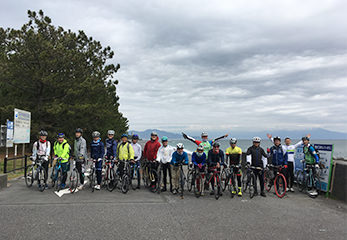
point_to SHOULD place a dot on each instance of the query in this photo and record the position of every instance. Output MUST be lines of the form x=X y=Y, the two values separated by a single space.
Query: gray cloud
x=192 y=65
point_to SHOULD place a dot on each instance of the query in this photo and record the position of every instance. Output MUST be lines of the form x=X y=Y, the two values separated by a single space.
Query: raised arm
x=218 y=138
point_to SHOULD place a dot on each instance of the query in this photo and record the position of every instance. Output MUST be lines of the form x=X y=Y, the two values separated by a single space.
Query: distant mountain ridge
x=317 y=133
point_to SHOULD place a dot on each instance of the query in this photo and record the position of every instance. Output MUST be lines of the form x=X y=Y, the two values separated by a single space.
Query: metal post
x=5 y=165
x=25 y=165
x=23 y=154
x=15 y=155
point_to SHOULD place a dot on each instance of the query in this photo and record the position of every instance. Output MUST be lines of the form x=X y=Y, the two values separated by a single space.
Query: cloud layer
x=215 y=65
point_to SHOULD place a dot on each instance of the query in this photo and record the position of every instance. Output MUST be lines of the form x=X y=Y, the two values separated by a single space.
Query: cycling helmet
x=135 y=137
x=95 y=134
x=216 y=144
x=200 y=148
x=204 y=134
x=305 y=138
x=233 y=141
x=79 y=130
x=110 y=132
x=164 y=139
x=43 y=133
x=124 y=135
x=277 y=138
x=180 y=146
x=61 y=135
x=154 y=134
x=257 y=139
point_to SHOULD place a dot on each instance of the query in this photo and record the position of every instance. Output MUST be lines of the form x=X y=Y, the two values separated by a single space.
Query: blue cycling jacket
x=198 y=160
x=176 y=158
x=278 y=156
x=97 y=149
x=111 y=148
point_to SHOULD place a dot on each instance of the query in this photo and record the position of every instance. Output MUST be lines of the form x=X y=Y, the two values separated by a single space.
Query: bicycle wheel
x=92 y=180
x=182 y=182
x=29 y=176
x=125 y=183
x=251 y=185
x=145 y=176
x=73 y=180
x=268 y=179
x=217 y=187
x=301 y=180
x=280 y=185
x=198 y=184
x=134 y=178
x=41 y=180
x=59 y=179
x=223 y=180
x=317 y=186
x=231 y=185
x=244 y=182
x=190 y=180
x=110 y=182
x=158 y=184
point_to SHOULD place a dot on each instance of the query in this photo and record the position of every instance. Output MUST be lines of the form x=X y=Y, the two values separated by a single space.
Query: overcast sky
x=215 y=65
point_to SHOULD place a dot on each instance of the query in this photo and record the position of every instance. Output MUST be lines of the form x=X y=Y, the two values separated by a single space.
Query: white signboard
x=326 y=154
x=21 y=126
x=9 y=135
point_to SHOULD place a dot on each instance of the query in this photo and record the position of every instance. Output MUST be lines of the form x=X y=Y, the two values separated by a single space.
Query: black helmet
x=135 y=137
x=277 y=138
x=79 y=130
x=216 y=144
x=305 y=138
x=43 y=133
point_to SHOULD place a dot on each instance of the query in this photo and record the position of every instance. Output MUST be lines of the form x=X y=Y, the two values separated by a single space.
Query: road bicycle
x=308 y=180
x=249 y=180
x=35 y=171
x=57 y=175
x=110 y=179
x=213 y=178
x=273 y=176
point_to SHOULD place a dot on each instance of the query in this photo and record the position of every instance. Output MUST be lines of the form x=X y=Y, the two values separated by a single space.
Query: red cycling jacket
x=151 y=149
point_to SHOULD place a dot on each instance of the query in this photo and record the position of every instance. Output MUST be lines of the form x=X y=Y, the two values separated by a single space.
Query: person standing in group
x=257 y=157
x=138 y=154
x=80 y=154
x=205 y=143
x=164 y=156
x=42 y=148
x=97 y=152
x=215 y=159
x=289 y=148
x=61 y=150
x=150 y=153
x=311 y=158
x=125 y=153
x=111 y=146
x=234 y=154
x=199 y=161
x=178 y=157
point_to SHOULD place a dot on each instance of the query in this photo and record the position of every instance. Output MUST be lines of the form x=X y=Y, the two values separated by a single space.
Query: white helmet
x=95 y=134
x=257 y=139
x=180 y=146
x=110 y=132
x=204 y=134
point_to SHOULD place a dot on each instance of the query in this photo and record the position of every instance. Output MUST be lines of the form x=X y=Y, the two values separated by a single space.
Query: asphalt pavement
x=26 y=213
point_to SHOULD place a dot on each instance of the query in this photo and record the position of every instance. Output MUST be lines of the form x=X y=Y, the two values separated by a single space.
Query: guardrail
x=15 y=168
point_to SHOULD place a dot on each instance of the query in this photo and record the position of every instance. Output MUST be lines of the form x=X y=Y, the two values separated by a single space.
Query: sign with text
x=326 y=154
x=9 y=135
x=22 y=121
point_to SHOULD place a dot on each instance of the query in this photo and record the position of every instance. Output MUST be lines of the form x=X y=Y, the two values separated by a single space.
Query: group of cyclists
x=167 y=160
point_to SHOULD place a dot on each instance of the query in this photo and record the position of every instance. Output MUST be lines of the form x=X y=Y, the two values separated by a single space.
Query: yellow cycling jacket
x=125 y=152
